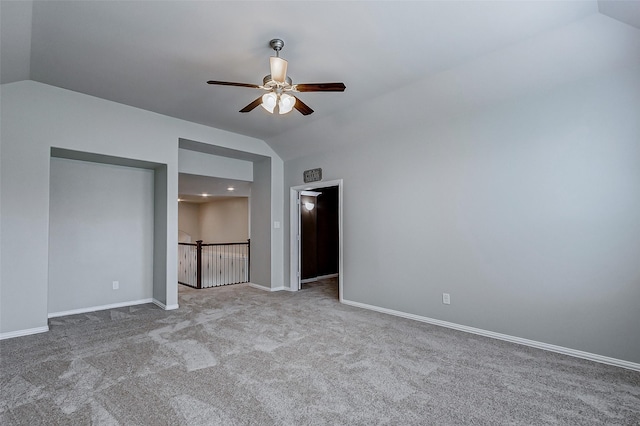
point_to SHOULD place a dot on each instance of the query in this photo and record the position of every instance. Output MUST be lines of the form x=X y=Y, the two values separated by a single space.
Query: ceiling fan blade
x=252 y=105
x=302 y=107
x=228 y=83
x=320 y=87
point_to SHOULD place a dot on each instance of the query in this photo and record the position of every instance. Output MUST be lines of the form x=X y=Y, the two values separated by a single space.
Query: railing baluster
x=220 y=264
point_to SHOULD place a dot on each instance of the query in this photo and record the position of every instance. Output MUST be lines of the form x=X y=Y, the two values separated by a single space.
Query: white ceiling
x=192 y=187
x=158 y=55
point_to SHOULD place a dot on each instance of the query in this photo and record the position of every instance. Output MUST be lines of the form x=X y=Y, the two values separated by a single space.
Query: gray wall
x=36 y=117
x=199 y=163
x=163 y=233
x=100 y=230
x=261 y=225
x=527 y=213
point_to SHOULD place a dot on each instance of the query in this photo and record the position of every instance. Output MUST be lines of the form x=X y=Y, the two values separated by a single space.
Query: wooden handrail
x=214 y=244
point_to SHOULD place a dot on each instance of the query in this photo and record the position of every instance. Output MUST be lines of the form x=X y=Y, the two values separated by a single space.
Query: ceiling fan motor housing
x=267 y=81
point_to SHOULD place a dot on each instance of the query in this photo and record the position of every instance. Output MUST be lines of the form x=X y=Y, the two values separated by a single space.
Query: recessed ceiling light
x=205 y=194
x=231 y=188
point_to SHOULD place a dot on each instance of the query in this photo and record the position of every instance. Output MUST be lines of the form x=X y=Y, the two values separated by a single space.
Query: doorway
x=318 y=234
x=304 y=203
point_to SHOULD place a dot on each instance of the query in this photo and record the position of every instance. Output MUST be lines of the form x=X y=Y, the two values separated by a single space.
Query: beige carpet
x=238 y=356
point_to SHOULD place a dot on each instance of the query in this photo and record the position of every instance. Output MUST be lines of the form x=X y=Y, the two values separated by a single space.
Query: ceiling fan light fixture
x=269 y=101
x=278 y=69
x=286 y=103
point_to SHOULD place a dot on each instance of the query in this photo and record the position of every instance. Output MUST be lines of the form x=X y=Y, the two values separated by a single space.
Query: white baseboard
x=261 y=287
x=20 y=333
x=324 y=277
x=163 y=306
x=99 y=308
x=318 y=278
x=526 y=342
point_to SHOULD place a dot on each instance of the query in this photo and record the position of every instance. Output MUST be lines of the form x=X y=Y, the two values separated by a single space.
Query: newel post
x=199 y=264
x=249 y=260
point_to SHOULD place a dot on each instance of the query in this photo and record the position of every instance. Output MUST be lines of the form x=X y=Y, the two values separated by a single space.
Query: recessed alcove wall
x=102 y=228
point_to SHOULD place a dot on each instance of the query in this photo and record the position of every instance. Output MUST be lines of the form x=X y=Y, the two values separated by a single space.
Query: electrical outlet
x=116 y=285
x=446 y=298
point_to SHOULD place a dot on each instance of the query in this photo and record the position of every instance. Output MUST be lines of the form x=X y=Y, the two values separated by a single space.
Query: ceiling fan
x=279 y=87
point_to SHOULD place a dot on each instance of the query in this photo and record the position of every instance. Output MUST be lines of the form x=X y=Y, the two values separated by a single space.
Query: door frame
x=294 y=232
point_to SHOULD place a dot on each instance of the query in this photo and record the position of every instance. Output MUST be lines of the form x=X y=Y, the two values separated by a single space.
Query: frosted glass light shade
x=269 y=101
x=286 y=103
x=278 y=69
x=309 y=206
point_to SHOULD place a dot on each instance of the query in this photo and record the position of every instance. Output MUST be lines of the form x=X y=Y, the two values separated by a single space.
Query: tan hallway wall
x=218 y=221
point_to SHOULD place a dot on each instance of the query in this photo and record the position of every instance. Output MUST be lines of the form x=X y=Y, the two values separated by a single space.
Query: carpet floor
x=236 y=355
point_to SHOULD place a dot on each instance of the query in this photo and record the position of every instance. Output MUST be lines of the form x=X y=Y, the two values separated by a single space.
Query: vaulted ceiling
x=158 y=55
